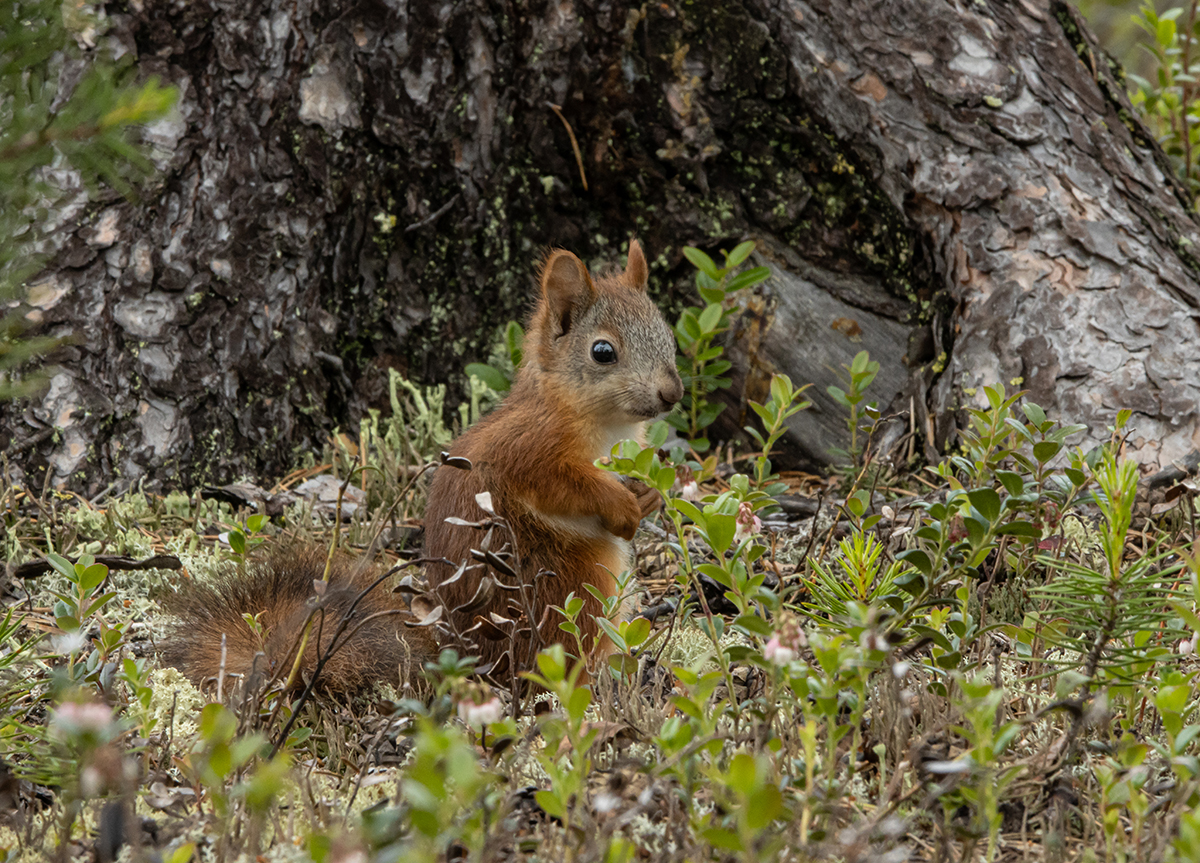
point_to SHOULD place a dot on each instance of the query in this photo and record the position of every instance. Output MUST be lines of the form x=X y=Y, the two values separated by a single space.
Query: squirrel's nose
x=672 y=392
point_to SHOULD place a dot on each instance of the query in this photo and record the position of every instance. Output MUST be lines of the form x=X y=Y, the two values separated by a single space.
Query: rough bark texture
x=349 y=187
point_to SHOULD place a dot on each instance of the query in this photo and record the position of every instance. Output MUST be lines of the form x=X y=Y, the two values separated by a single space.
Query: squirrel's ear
x=636 y=271
x=566 y=289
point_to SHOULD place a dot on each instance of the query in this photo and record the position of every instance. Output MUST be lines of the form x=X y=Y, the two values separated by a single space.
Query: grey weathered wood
x=349 y=187
x=1051 y=220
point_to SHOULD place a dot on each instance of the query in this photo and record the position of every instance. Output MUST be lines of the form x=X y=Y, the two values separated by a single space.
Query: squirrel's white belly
x=613 y=435
x=588 y=527
x=581 y=526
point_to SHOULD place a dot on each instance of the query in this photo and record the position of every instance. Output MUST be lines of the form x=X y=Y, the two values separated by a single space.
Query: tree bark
x=963 y=189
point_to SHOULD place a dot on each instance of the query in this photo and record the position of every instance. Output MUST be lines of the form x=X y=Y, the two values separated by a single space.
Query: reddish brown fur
x=523 y=455
x=279 y=590
x=535 y=454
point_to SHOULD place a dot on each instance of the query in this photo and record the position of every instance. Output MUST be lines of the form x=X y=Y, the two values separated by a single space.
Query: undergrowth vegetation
x=991 y=658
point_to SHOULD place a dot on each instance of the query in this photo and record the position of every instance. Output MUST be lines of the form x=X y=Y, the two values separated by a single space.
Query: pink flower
x=685 y=478
x=748 y=524
x=784 y=646
x=73 y=719
x=476 y=715
x=777 y=653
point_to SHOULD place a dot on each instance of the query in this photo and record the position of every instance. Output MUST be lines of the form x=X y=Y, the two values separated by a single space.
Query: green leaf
x=975 y=530
x=721 y=529
x=742 y=772
x=184 y=853
x=623 y=663
x=688 y=325
x=933 y=635
x=614 y=636
x=217 y=723
x=220 y=761
x=1020 y=428
x=949 y=660
x=255 y=523
x=766 y=413
x=912 y=583
x=690 y=510
x=686 y=705
x=243 y=750
x=514 y=338
x=754 y=625
x=637 y=631
x=552 y=662
x=62 y=565
x=748 y=278
x=716 y=573
x=987 y=502
x=1045 y=450
x=763 y=807
x=855 y=505
x=1164 y=34
x=918 y=559
x=643 y=461
x=91 y=577
x=740 y=252
x=237 y=541
x=719 y=837
x=550 y=804
x=298 y=735
x=1034 y=413
x=490 y=375
x=702 y=262
x=1012 y=482
x=995 y=396
x=657 y=435
x=710 y=318
x=579 y=702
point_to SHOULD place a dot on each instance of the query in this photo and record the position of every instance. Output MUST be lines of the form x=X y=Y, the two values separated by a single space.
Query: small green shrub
x=701 y=362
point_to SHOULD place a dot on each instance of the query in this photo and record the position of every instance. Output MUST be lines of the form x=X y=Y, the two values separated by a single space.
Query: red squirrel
x=599 y=361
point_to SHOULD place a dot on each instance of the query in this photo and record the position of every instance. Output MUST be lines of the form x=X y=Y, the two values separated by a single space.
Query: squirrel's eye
x=604 y=353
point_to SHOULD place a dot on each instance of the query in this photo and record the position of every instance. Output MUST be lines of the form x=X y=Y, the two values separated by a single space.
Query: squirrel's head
x=602 y=341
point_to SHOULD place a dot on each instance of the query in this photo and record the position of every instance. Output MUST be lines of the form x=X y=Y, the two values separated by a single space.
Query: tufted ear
x=567 y=290
x=636 y=271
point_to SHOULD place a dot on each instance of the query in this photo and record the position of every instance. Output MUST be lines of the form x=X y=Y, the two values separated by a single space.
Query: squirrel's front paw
x=623 y=521
x=648 y=499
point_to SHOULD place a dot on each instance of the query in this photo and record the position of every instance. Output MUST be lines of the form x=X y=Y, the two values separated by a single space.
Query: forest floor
x=994 y=659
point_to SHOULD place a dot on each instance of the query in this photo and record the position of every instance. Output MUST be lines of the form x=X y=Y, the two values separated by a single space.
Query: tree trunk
x=963 y=189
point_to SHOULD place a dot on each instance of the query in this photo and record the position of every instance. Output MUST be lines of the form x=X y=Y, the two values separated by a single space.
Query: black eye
x=604 y=353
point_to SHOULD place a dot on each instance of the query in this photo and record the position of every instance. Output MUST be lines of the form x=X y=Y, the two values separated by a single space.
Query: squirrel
x=599 y=361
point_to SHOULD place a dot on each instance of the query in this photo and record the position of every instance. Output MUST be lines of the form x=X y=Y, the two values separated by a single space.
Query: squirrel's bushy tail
x=278 y=590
